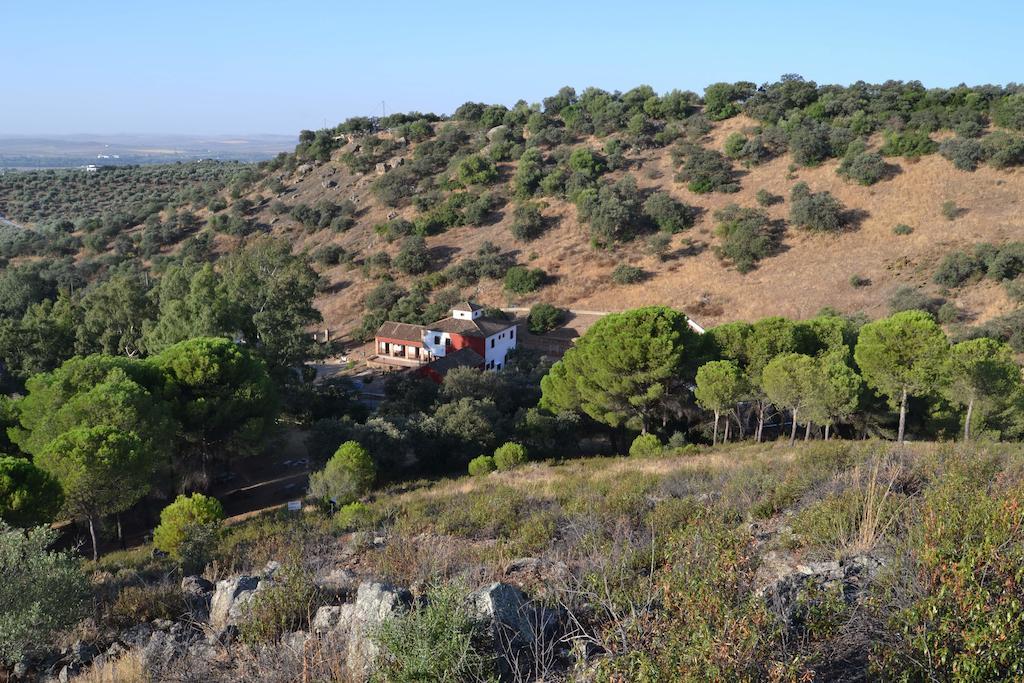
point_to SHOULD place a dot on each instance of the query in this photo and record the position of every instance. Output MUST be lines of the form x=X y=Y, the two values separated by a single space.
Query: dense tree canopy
x=624 y=370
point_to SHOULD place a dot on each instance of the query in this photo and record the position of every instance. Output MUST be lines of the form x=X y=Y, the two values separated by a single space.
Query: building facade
x=467 y=328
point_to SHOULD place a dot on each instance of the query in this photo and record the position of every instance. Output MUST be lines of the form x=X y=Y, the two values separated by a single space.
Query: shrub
x=734 y=145
x=658 y=244
x=527 y=221
x=625 y=274
x=437 y=640
x=509 y=455
x=818 y=211
x=766 y=198
x=185 y=517
x=481 y=465
x=1003 y=149
x=950 y=210
x=414 y=257
x=705 y=170
x=329 y=255
x=910 y=299
x=614 y=211
x=476 y=170
x=859 y=281
x=810 y=143
x=912 y=144
x=965 y=153
x=1008 y=262
x=746 y=236
x=347 y=476
x=1009 y=112
x=902 y=229
x=42 y=591
x=669 y=214
x=645 y=445
x=283 y=607
x=354 y=516
x=146 y=603
x=586 y=163
x=862 y=166
x=957 y=268
x=947 y=313
x=522 y=280
x=28 y=494
x=544 y=318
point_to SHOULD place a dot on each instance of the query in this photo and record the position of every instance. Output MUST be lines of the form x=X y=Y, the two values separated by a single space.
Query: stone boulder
x=230 y=599
x=785 y=585
x=353 y=622
x=339 y=582
x=518 y=627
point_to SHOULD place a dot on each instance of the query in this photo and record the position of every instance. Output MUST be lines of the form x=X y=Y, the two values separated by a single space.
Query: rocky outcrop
x=230 y=599
x=519 y=629
x=354 y=622
x=789 y=587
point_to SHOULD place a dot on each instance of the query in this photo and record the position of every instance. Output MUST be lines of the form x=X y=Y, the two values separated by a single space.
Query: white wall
x=437 y=349
x=503 y=343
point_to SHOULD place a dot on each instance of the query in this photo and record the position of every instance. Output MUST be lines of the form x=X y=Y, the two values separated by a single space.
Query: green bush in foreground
x=481 y=465
x=42 y=591
x=509 y=455
x=435 y=641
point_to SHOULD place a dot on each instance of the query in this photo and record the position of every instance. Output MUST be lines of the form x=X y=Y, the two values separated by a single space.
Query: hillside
x=346 y=192
x=832 y=562
x=812 y=271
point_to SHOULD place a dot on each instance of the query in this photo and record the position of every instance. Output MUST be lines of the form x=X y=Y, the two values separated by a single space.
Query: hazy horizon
x=194 y=67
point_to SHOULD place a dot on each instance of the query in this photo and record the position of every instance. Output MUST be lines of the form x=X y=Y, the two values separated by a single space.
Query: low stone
x=162 y=624
x=229 y=599
x=136 y=636
x=326 y=619
x=337 y=582
x=196 y=587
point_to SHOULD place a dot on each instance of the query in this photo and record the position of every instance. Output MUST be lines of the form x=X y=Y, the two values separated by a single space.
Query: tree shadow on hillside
x=853 y=219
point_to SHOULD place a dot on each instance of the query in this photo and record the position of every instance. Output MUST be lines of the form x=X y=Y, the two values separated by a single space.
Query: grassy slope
x=812 y=271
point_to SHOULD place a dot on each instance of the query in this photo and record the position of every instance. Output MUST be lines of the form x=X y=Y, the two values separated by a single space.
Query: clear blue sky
x=232 y=66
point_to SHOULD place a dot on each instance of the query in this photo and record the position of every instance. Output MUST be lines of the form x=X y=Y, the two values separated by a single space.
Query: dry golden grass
x=813 y=271
x=127 y=669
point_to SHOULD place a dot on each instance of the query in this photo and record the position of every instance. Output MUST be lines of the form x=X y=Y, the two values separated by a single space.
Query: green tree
x=414 y=257
x=102 y=470
x=668 y=213
x=273 y=291
x=720 y=386
x=902 y=356
x=192 y=302
x=544 y=318
x=222 y=397
x=184 y=518
x=114 y=313
x=509 y=456
x=476 y=170
x=626 y=370
x=42 y=339
x=42 y=591
x=346 y=477
x=787 y=382
x=834 y=392
x=96 y=390
x=980 y=370
x=28 y=495
x=722 y=100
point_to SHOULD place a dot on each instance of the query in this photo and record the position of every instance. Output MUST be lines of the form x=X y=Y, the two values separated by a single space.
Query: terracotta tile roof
x=481 y=327
x=466 y=306
x=463 y=358
x=401 y=331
